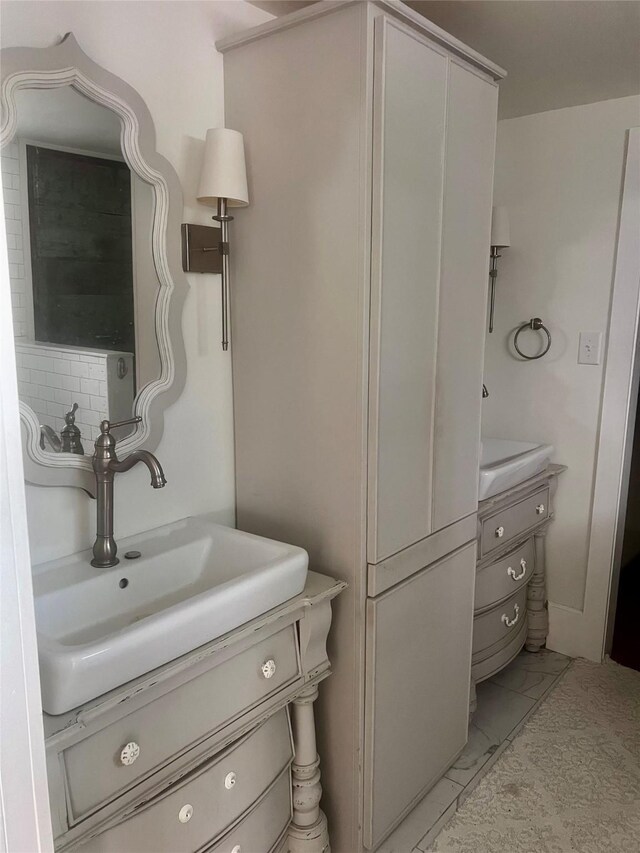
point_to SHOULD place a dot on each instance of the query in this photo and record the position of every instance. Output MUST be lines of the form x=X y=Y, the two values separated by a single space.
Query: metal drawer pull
x=269 y=668
x=186 y=813
x=230 y=780
x=129 y=753
x=500 y=532
x=516 y=615
x=540 y=509
x=512 y=572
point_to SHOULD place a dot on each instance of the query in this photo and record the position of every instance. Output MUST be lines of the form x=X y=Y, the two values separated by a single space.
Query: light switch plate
x=590 y=348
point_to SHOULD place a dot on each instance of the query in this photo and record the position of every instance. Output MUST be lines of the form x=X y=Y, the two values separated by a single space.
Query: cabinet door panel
x=470 y=143
x=418 y=666
x=409 y=115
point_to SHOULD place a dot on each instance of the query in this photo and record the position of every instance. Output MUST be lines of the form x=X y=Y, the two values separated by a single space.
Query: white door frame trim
x=25 y=822
x=584 y=633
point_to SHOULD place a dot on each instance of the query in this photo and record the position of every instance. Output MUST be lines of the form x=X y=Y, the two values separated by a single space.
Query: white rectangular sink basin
x=505 y=463
x=195 y=580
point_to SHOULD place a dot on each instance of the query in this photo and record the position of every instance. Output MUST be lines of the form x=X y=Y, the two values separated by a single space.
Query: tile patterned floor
x=505 y=702
x=569 y=782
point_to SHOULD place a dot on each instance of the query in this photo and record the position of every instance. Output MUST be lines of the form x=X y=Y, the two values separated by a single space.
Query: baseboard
x=569 y=633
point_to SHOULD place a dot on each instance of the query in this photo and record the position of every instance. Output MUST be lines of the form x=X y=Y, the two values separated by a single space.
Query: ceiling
x=558 y=53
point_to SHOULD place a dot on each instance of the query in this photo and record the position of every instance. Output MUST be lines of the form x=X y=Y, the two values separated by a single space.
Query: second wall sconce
x=223 y=184
x=500 y=239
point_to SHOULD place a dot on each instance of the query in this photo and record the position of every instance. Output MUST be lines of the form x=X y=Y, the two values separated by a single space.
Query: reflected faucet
x=69 y=440
x=48 y=434
x=106 y=465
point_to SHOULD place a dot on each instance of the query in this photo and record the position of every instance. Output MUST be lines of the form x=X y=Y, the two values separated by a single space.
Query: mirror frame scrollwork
x=66 y=64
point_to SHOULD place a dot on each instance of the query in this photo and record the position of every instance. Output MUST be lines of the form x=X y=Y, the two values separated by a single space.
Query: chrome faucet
x=106 y=465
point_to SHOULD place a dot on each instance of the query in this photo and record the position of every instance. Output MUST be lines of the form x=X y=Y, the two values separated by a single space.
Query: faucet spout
x=158 y=479
x=51 y=436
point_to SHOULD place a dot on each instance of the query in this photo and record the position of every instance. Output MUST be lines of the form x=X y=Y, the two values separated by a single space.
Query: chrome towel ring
x=535 y=323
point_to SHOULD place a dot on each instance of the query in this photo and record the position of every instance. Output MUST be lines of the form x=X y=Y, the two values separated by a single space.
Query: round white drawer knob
x=269 y=668
x=230 y=780
x=500 y=532
x=186 y=813
x=236 y=849
x=540 y=509
x=129 y=753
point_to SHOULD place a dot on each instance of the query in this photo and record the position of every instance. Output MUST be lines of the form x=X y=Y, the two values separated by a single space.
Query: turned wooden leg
x=537 y=612
x=473 y=698
x=308 y=832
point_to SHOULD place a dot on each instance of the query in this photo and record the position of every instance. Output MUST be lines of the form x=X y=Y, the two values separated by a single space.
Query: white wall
x=21 y=299
x=560 y=174
x=166 y=51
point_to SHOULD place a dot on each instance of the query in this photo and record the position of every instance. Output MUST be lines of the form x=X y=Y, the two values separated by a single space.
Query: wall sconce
x=500 y=239
x=223 y=184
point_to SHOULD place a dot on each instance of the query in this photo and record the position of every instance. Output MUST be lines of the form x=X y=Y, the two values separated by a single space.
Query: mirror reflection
x=83 y=282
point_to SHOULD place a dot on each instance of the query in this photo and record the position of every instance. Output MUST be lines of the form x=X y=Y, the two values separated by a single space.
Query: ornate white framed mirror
x=93 y=225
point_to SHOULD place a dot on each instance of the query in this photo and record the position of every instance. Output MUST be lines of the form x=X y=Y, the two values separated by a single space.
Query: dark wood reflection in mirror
x=81 y=249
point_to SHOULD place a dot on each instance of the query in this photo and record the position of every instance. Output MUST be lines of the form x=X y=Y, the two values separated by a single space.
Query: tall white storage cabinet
x=358 y=316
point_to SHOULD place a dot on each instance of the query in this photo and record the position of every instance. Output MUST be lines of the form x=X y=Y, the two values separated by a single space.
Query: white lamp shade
x=224 y=174
x=500 y=236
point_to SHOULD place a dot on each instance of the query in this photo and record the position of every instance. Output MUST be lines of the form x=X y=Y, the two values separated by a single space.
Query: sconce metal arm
x=223 y=247
x=493 y=274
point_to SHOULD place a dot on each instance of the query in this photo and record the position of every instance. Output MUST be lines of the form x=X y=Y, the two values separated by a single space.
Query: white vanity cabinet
x=360 y=273
x=199 y=754
x=510 y=608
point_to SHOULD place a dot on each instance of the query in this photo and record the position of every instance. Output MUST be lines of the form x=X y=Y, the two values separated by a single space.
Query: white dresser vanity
x=510 y=600
x=213 y=751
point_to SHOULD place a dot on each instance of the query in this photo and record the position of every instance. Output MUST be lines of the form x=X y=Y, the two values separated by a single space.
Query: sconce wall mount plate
x=201 y=248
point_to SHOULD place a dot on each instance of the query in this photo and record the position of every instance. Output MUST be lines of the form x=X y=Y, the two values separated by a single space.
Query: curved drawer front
x=501 y=579
x=499 y=624
x=101 y=766
x=503 y=655
x=499 y=528
x=261 y=830
x=204 y=806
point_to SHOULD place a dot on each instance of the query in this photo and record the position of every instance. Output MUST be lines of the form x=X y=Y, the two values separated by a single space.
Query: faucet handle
x=106 y=426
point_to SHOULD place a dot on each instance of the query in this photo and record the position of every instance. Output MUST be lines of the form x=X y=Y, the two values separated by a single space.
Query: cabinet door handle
x=500 y=532
x=540 y=509
x=129 y=753
x=512 y=572
x=516 y=615
x=230 y=780
x=269 y=668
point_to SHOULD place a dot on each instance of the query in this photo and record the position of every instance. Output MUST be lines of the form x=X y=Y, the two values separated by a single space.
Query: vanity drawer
x=262 y=829
x=211 y=799
x=499 y=623
x=501 y=579
x=163 y=729
x=511 y=522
